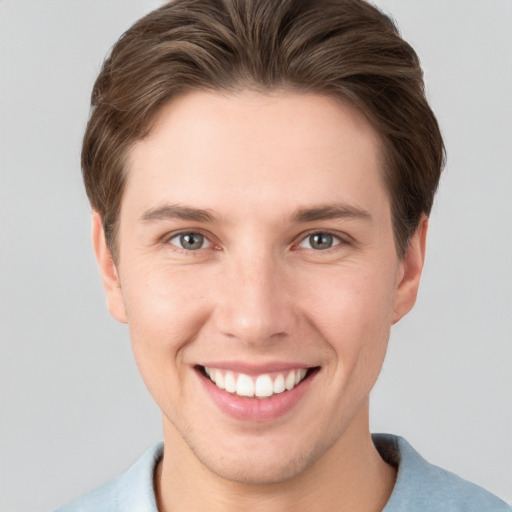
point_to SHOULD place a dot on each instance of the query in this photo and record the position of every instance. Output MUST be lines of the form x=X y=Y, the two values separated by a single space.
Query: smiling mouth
x=260 y=386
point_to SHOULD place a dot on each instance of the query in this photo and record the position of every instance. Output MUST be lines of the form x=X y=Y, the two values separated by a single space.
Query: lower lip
x=255 y=409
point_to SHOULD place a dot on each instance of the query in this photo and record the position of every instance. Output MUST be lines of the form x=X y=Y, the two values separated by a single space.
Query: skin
x=257 y=292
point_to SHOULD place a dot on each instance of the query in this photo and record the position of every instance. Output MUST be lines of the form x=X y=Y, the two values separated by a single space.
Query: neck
x=351 y=475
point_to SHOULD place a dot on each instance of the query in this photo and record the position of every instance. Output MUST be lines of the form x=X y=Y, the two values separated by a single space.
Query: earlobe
x=108 y=270
x=411 y=268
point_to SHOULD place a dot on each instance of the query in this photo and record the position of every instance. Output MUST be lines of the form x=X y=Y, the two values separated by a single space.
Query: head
x=261 y=174
x=344 y=49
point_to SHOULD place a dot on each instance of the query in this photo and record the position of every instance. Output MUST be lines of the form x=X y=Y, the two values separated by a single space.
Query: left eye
x=320 y=241
x=190 y=241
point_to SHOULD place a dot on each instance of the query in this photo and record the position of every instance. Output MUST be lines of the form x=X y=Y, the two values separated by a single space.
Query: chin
x=255 y=471
x=254 y=465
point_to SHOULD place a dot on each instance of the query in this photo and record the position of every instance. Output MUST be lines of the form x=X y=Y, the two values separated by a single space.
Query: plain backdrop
x=74 y=411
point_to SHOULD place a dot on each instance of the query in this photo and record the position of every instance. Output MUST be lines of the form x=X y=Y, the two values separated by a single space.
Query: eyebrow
x=302 y=215
x=329 y=212
x=176 y=211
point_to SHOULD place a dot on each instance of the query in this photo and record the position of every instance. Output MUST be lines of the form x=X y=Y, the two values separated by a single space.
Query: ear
x=410 y=271
x=108 y=270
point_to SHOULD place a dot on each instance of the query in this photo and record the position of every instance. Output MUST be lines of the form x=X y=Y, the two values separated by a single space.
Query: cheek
x=164 y=313
x=353 y=313
x=351 y=301
x=163 y=303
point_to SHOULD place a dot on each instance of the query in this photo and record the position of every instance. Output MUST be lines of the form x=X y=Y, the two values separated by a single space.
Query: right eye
x=320 y=241
x=190 y=241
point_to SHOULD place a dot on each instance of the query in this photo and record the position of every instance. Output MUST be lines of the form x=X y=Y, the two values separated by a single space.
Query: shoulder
x=132 y=491
x=424 y=487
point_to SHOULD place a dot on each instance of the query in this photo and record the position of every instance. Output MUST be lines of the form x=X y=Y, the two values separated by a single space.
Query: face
x=259 y=277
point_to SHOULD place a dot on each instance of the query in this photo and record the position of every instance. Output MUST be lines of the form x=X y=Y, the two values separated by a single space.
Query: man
x=261 y=175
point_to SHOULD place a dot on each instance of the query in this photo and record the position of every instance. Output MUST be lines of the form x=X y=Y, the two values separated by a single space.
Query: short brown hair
x=342 y=48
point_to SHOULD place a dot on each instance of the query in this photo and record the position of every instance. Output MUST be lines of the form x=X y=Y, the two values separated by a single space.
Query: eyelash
x=176 y=247
x=339 y=240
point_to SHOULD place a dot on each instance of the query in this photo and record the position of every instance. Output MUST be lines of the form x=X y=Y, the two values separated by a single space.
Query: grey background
x=73 y=410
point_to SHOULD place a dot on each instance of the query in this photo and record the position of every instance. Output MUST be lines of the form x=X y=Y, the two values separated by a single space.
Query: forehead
x=279 y=147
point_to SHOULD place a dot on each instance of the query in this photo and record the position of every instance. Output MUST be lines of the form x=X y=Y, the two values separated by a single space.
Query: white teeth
x=289 y=383
x=279 y=384
x=244 y=385
x=264 y=386
x=261 y=386
x=229 y=382
x=219 y=379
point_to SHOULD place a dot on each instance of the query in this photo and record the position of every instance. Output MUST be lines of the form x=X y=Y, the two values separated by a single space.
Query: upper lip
x=251 y=368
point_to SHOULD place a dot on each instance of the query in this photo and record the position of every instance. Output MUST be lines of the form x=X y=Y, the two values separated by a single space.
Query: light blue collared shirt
x=420 y=486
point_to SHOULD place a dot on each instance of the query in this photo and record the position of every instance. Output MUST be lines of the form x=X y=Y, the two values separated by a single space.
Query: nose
x=254 y=302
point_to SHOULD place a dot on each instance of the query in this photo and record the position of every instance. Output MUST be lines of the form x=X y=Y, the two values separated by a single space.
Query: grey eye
x=190 y=241
x=319 y=241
